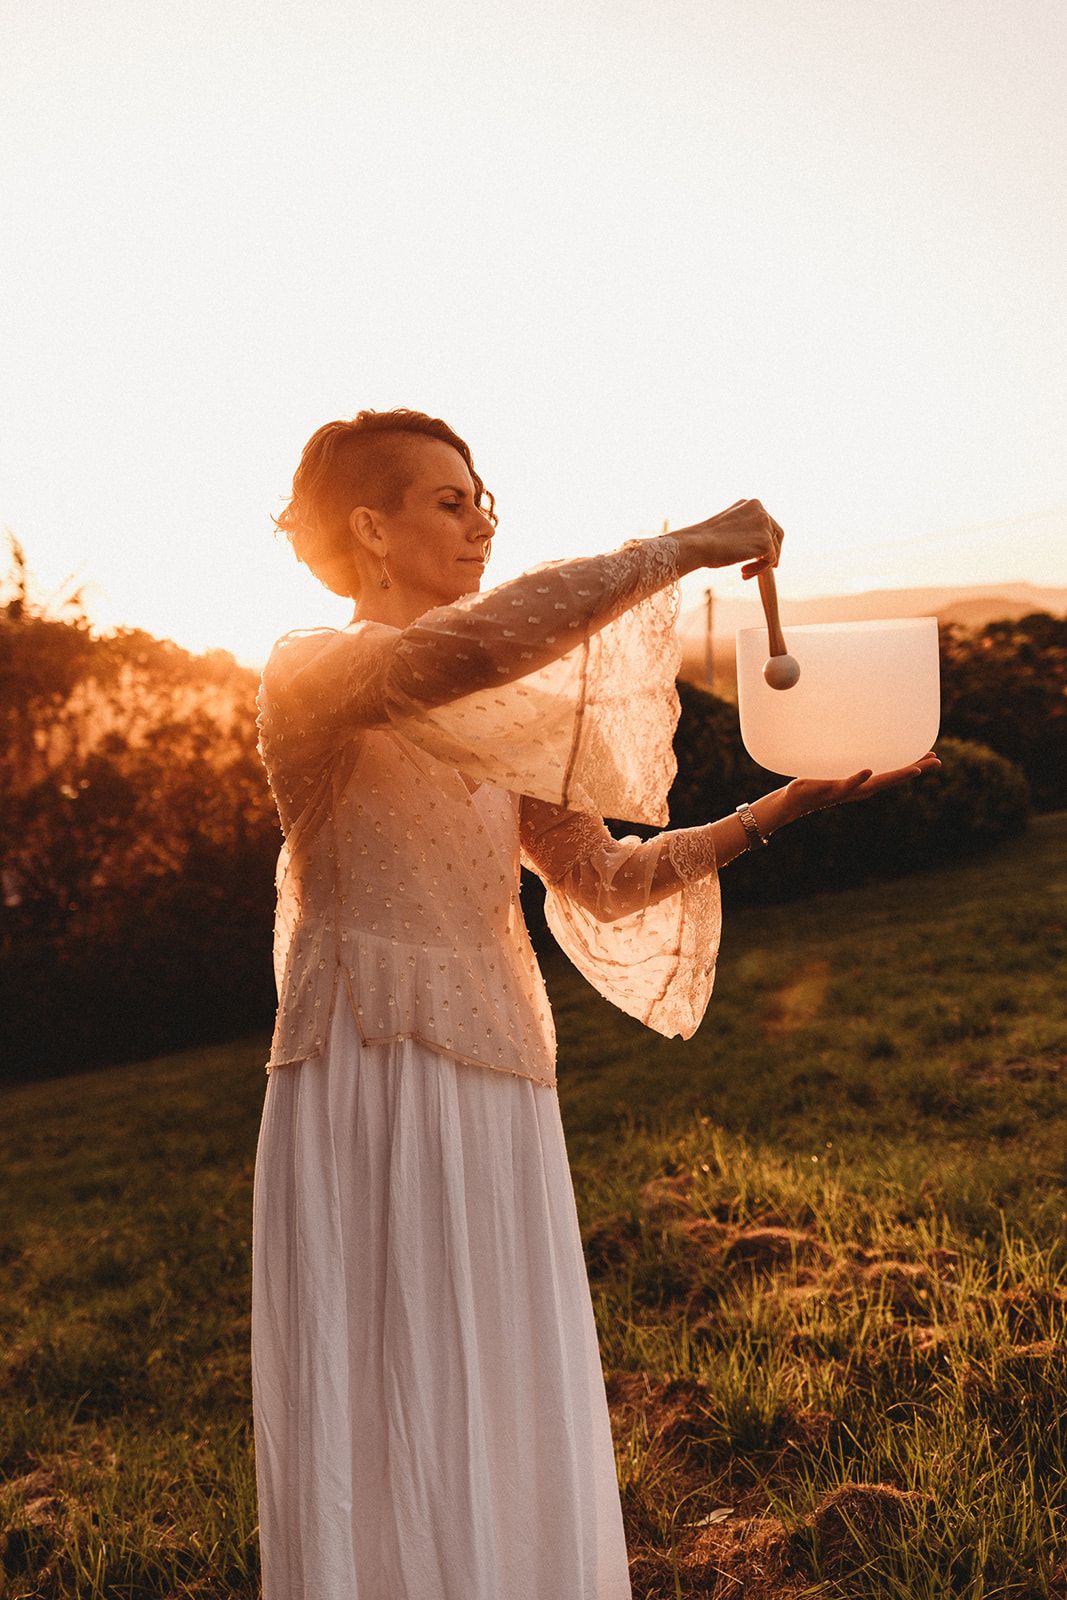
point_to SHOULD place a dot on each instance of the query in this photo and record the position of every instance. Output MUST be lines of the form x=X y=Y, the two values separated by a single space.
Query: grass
x=826 y=1244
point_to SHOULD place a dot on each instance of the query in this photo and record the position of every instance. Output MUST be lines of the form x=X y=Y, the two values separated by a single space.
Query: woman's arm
x=613 y=878
x=559 y=684
x=492 y=638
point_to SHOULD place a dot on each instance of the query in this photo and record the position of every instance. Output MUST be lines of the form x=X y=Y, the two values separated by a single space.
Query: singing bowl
x=869 y=695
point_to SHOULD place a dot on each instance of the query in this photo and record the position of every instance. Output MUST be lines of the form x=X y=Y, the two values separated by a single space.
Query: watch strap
x=751 y=826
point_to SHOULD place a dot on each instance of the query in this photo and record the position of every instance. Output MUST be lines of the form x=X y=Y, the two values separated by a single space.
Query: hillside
x=824 y=1237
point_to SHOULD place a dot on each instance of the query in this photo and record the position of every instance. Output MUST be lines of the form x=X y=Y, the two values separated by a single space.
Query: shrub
x=1003 y=686
x=976 y=800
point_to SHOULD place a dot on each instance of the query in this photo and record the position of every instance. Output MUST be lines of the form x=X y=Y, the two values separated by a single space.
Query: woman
x=429 y=1405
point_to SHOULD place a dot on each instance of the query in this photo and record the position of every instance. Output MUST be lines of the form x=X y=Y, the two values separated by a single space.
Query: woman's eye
x=450 y=505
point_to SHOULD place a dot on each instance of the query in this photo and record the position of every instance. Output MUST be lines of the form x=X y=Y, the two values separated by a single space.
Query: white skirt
x=428 y=1398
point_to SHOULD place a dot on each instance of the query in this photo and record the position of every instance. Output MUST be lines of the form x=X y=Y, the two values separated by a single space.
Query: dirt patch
x=768 y=1250
x=702 y=1233
x=36 y=1495
x=850 y=1518
x=733 y=1545
x=944 y=1262
x=1019 y=1069
x=801 y=1218
x=33 y=1524
x=926 y=1340
x=756 y=1558
x=611 y=1241
x=667 y=1194
x=686 y=1426
x=1018 y=1369
x=748 y=1558
x=905 y=1285
x=677 y=1413
x=1038 y=1350
x=1029 y=1309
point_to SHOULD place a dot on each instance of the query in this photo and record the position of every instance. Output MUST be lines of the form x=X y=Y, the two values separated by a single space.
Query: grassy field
x=826 y=1239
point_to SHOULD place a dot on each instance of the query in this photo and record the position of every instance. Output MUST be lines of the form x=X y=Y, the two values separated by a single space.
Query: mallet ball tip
x=781 y=672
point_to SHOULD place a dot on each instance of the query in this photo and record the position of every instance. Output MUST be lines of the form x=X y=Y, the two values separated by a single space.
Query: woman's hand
x=804 y=795
x=743 y=532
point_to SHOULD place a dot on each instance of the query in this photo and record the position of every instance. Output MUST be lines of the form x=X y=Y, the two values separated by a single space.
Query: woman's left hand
x=804 y=795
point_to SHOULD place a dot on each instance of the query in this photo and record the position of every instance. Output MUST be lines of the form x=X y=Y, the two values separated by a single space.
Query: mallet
x=781 y=670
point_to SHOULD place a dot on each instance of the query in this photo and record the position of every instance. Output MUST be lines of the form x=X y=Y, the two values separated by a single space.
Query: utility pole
x=709 y=663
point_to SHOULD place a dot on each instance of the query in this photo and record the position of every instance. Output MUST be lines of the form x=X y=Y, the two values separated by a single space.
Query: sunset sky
x=646 y=260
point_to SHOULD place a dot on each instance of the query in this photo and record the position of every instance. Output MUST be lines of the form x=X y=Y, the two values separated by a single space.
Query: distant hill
x=970 y=607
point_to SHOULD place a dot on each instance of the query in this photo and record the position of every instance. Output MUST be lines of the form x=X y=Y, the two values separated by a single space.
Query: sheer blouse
x=415 y=769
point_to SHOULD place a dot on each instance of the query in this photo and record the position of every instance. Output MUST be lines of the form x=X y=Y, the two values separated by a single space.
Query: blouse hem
x=419 y=1038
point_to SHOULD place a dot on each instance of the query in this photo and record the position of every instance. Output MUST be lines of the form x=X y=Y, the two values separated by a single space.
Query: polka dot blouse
x=415 y=769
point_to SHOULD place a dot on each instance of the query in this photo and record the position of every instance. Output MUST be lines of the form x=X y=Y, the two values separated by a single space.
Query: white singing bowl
x=869 y=695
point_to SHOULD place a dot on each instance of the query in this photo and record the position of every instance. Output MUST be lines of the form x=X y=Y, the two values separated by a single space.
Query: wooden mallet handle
x=769 y=595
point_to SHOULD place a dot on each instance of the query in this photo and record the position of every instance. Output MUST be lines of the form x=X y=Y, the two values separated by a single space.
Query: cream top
x=414 y=769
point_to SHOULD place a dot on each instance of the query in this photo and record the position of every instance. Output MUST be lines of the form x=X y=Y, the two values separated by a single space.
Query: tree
x=1005 y=686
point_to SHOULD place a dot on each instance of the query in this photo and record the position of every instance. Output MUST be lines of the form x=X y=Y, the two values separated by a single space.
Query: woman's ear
x=364 y=528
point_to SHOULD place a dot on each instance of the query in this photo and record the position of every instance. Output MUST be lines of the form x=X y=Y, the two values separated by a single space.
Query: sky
x=645 y=260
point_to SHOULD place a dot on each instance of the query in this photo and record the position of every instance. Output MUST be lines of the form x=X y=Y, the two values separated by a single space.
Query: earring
x=384 y=582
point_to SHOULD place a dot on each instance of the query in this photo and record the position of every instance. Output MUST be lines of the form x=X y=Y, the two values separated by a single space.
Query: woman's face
x=435 y=547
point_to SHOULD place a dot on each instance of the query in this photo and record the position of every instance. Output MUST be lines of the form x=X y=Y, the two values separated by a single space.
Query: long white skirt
x=428 y=1398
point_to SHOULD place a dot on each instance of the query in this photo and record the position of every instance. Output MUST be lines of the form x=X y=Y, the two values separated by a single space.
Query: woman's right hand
x=743 y=532
x=805 y=795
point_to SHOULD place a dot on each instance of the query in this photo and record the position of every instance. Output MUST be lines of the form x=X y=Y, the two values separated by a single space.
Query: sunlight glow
x=645 y=262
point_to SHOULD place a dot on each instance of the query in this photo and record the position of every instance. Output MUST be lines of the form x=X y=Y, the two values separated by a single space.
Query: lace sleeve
x=641 y=920
x=560 y=683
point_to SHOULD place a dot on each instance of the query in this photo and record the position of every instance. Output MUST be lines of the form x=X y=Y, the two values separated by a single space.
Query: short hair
x=369 y=461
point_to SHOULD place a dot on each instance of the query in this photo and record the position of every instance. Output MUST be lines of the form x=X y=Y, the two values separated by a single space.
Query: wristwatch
x=752 y=827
